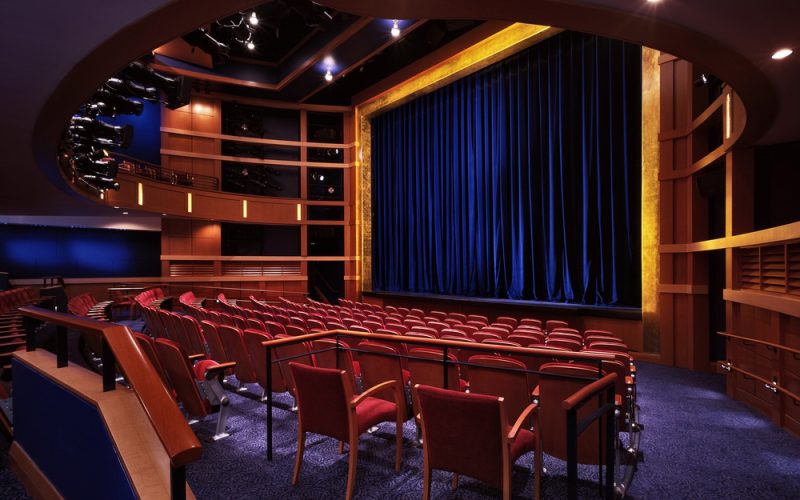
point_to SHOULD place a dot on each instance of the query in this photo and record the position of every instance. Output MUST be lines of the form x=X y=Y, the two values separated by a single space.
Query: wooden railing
x=771 y=385
x=119 y=348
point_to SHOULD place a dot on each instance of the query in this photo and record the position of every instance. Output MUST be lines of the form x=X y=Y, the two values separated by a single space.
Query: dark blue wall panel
x=146 y=144
x=67 y=438
x=36 y=251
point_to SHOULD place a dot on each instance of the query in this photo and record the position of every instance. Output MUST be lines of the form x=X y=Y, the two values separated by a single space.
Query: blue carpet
x=697 y=442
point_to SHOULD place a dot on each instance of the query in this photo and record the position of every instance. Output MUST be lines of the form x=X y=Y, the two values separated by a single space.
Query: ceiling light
x=254 y=19
x=328 y=61
x=653 y=1
x=395 y=29
x=124 y=213
x=251 y=45
x=782 y=54
x=328 y=76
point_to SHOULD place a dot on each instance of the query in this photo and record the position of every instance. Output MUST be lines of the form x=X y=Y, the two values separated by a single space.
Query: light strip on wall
x=141 y=194
x=299 y=211
x=189 y=202
x=244 y=209
x=728 y=118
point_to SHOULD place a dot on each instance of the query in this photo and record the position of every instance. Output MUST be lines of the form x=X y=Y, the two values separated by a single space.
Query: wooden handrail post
x=269 y=402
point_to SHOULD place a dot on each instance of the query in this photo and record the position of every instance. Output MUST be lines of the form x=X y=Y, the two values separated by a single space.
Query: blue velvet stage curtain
x=521 y=181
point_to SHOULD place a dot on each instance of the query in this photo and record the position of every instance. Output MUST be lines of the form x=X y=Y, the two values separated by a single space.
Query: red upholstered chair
x=326 y=405
x=555 y=385
x=379 y=362
x=417 y=312
x=327 y=355
x=194 y=335
x=508 y=343
x=226 y=319
x=240 y=321
x=502 y=330
x=507 y=320
x=468 y=329
x=359 y=328
x=316 y=325
x=425 y=329
x=426 y=368
x=148 y=346
x=503 y=377
x=568 y=344
x=452 y=332
x=439 y=315
x=477 y=324
x=478 y=318
x=373 y=326
x=484 y=336
x=558 y=334
x=601 y=333
x=256 y=324
x=215 y=348
x=458 y=316
x=453 y=321
x=530 y=322
x=258 y=357
x=469 y=434
x=185 y=378
x=590 y=339
x=297 y=353
x=438 y=326
x=608 y=346
x=235 y=348
x=294 y=330
x=551 y=324
x=562 y=329
x=525 y=339
x=349 y=322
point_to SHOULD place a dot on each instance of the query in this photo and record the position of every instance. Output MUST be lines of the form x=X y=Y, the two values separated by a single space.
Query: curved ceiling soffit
x=754 y=88
x=127 y=44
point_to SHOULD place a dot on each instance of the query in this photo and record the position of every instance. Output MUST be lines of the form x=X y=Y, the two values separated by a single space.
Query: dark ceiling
x=291 y=42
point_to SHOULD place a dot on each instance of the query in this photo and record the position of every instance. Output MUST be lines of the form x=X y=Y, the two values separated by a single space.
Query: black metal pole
x=29 y=325
x=611 y=433
x=269 y=403
x=61 y=347
x=109 y=368
x=572 y=454
x=177 y=482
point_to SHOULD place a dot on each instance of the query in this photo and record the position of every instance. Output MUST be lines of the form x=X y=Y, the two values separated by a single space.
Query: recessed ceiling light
x=328 y=76
x=329 y=61
x=253 y=19
x=782 y=54
x=251 y=45
x=395 y=29
x=116 y=206
x=124 y=213
x=653 y=1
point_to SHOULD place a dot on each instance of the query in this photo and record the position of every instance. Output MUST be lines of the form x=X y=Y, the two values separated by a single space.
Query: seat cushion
x=525 y=442
x=372 y=411
x=201 y=366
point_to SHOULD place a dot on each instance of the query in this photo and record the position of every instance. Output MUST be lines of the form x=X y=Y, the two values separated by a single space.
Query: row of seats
x=12 y=333
x=87 y=306
x=238 y=346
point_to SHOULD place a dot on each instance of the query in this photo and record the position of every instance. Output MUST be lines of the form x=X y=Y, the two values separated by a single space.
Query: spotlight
x=176 y=90
x=251 y=45
x=328 y=76
x=218 y=51
x=107 y=103
x=329 y=62
x=782 y=54
x=395 y=29
x=254 y=19
x=707 y=79
x=92 y=130
x=129 y=88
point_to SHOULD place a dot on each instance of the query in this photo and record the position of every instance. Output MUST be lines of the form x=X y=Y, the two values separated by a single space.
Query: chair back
x=502 y=377
x=258 y=356
x=323 y=397
x=231 y=337
x=193 y=334
x=148 y=346
x=176 y=364
x=463 y=432
x=554 y=387
x=291 y=353
x=425 y=366
x=379 y=363
x=335 y=355
x=215 y=348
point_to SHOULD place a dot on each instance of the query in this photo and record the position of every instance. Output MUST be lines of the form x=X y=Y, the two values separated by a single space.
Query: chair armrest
x=195 y=357
x=376 y=388
x=216 y=371
x=512 y=434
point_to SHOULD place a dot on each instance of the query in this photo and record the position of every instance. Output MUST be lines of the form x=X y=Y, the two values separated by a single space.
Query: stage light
x=782 y=54
x=177 y=90
x=254 y=19
x=328 y=76
x=707 y=79
x=91 y=130
x=108 y=103
x=395 y=29
x=218 y=51
x=131 y=89
x=251 y=45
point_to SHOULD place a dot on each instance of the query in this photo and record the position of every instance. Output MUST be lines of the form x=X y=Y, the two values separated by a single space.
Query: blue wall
x=36 y=251
x=67 y=438
x=146 y=144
